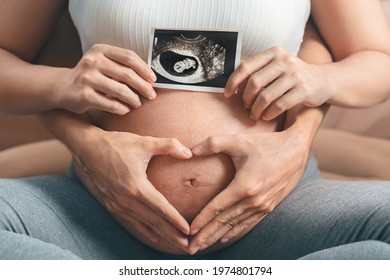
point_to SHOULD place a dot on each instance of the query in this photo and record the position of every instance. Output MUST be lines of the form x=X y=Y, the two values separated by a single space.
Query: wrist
x=55 y=87
x=83 y=137
x=304 y=122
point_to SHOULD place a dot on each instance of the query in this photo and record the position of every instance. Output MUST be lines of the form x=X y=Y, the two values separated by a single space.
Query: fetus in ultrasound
x=188 y=58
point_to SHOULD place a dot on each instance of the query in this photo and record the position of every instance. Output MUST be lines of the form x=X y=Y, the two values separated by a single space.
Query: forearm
x=71 y=129
x=305 y=121
x=360 y=80
x=27 y=88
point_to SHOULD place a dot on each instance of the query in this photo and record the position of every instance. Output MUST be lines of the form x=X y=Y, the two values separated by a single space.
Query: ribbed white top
x=127 y=23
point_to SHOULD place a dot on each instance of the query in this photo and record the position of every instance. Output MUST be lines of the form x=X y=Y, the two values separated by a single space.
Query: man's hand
x=113 y=166
x=269 y=165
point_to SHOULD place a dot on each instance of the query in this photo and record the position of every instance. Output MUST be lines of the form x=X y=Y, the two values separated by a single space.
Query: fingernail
x=198 y=149
x=225 y=240
x=194 y=250
x=138 y=104
x=203 y=247
x=153 y=95
x=153 y=77
x=265 y=117
x=195 y=231
x=186 y=151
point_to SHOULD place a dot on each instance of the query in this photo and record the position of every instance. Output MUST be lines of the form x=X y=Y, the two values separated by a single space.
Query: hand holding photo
x=196 y=60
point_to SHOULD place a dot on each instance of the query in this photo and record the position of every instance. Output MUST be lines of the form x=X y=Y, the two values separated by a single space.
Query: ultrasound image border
x=235 y=43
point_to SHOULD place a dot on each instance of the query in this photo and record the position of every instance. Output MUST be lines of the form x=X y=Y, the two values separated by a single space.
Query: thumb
x=215 y=145
x=170 y=147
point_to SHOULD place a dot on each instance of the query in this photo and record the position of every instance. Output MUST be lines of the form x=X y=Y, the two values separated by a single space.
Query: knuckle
x=245 y=66
x=296 y=75
x=173 y=143
x=113 y=207
x=252 y=189
x=255 y=81
x=97 y=47
x=84 y=95
x=133 y=192
x=267 y=207
x=114 y=107
x=147 y=144
x=278 y=50
x=254 y=203
x=85 y=78
x=290 y=59
x=212 y=142
x=130 y=57
x=121 y=90
x=223 y=223
x=88 y=61
x=155 y=224
x=128 y=76
x=280 y=106
x=217 y=211
x=266 y=96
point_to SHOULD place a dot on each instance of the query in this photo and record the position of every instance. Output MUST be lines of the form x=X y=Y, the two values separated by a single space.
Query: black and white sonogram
x=193 y=59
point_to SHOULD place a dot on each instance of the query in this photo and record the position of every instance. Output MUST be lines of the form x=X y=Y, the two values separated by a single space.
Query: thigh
x=58 y=210
x=318 y=215
x=362 y=250
x=35 y=159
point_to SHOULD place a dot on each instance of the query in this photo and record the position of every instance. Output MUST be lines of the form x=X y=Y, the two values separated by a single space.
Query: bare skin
x=128 y=194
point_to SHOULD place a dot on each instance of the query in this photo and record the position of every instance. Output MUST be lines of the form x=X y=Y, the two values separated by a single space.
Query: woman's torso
x=189 y=116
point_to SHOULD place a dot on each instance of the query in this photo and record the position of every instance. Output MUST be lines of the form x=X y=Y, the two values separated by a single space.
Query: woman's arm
x=103 y=77
x=24 y=28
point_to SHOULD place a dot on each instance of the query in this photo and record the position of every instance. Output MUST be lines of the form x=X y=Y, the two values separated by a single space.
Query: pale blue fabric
x=54 y=217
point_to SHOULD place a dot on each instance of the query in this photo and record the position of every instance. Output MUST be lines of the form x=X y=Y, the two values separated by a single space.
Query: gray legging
x=54 y=217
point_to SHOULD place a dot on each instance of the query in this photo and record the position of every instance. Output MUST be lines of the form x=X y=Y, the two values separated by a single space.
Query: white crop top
x=127 y=23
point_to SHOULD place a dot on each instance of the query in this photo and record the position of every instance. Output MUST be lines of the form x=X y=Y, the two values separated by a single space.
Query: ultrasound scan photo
x=194 y=60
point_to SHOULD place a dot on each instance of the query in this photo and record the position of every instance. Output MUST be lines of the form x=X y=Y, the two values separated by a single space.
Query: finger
x=234 y=215
x=245 y=69
x=216 y=144
x=290 y=99
x=103 y=103
x=158 y=203
x=168 y=146
x=260 y=80
x=130 y=59
x=213 y=231
x=131 y=224
x=269 y=94
x=243 y=226
x=158 y=224
x=225 y=199
x=128 y=76
x=116 y=90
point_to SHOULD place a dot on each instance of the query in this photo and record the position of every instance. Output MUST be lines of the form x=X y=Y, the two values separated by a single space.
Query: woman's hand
x=268 y=167
x=113 y=167
x=106 y=78
x=274 y=81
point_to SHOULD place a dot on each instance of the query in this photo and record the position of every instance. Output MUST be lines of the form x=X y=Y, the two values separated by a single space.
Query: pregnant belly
x=190 y=117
